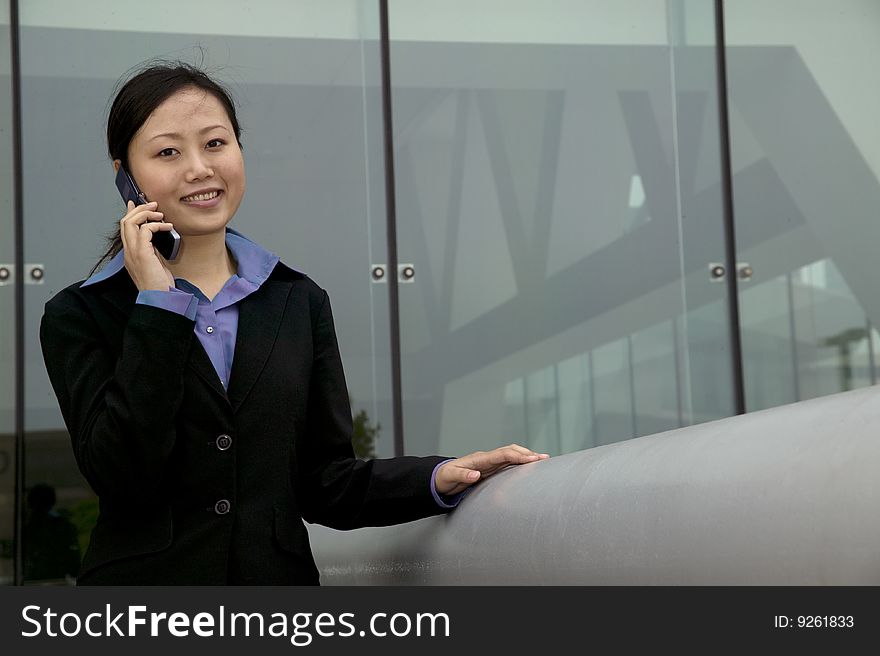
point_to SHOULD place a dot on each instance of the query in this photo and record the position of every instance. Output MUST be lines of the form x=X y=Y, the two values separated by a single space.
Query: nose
x=198 y=168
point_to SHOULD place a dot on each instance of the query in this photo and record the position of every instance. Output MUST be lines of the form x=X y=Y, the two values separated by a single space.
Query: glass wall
x=558 y=193
x=806 y=164
x=558 y=197
x=7 y=308
x=306 y=78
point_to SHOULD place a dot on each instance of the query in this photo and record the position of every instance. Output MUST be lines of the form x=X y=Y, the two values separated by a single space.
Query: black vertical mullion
x=18 y=230
x=728 y=215
x=391 y=231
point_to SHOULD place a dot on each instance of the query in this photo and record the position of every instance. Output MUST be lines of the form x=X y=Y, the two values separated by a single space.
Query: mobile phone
x=166 y=242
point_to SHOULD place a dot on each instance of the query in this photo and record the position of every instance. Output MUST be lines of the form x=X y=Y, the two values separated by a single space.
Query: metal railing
x=785 y=496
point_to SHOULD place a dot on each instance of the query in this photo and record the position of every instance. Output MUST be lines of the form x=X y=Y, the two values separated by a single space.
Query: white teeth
x=198 y=197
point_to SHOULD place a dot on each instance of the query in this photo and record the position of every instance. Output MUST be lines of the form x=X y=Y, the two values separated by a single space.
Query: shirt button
x=224 y=442
x=222 y=507
x=209 y=329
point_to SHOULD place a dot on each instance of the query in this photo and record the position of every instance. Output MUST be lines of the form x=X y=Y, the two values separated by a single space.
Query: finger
x=130 y=207
x=489 y=463
x=147 y=230
x=141 y=216
x=458 y=474
x=131 y=223
x=155 y=226
x=520 y=449
x=528 y=452
x=497 y=458
x=452 y=479
x=468 y=475
x=134 y=214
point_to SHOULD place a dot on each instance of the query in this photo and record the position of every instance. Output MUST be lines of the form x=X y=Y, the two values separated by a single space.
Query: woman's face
x=186 y=158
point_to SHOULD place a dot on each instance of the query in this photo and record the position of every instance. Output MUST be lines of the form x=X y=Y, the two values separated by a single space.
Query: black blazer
x=198 y=485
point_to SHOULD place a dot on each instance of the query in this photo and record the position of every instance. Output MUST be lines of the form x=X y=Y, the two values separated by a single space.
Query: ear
x=116 y=164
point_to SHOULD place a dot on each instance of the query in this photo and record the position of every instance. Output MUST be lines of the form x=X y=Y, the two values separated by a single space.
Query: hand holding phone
x=167 y=242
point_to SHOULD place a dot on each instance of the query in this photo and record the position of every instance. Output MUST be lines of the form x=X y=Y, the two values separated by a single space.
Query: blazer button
x=224 y=442
x=221 y=507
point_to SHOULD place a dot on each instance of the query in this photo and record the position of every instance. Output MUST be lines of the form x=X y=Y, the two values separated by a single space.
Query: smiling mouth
x=195 y=198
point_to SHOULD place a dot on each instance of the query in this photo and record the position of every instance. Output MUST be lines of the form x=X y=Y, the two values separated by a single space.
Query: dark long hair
x=150 y=86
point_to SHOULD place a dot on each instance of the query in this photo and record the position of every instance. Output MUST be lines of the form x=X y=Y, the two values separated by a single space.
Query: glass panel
x=558 y=195
x=306 y=77
x=7 y=310
x=806 y=165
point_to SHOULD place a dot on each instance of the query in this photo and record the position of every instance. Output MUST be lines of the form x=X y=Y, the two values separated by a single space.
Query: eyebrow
x=177 y=134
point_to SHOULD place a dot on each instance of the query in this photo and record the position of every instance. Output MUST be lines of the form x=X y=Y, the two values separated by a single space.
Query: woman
x=205 y=469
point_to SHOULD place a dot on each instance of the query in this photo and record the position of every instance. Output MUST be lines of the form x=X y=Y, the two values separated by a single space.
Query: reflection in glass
x=806 y=191
x=51 y=539
x=306 y=83
x=805 y=336
x=560 y=197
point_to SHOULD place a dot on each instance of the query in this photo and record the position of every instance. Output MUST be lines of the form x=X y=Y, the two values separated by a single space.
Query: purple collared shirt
x=216 y=320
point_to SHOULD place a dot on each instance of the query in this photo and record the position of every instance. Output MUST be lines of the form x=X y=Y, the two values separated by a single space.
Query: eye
x=167 y=152
x=215 y=143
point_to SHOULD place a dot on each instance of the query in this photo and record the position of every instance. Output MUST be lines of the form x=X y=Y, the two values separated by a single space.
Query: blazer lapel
x=259 y=320
x=122 y=294
x=201 y=364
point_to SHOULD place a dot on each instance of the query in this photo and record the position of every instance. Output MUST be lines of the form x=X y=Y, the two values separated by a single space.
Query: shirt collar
x=255 y=263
